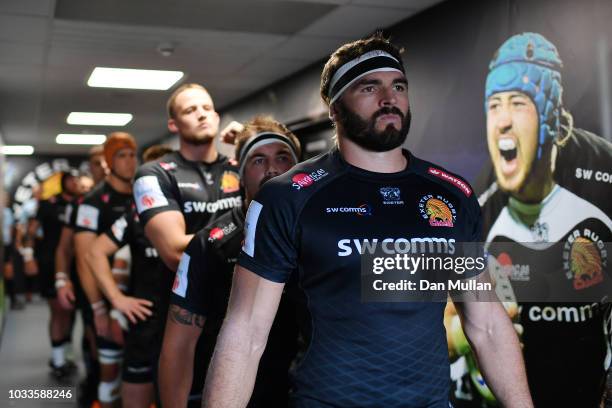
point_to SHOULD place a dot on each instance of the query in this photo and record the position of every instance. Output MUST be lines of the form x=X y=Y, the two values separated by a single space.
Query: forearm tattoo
x=182 y=316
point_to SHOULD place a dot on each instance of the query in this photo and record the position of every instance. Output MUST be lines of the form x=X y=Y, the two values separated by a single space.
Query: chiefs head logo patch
x=230 y=182
x=585 y=263
x=439 y=211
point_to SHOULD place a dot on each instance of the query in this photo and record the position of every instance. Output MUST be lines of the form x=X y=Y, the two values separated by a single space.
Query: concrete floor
x=25 y=350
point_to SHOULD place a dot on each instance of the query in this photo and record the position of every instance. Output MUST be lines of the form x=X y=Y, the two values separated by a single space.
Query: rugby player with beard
x=366 y=354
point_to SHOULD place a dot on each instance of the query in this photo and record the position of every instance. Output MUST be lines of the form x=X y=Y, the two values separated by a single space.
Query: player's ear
x=172 y=126
x=332 y=112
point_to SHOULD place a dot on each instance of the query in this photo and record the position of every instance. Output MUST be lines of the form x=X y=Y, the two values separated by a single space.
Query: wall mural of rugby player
x=558 y=234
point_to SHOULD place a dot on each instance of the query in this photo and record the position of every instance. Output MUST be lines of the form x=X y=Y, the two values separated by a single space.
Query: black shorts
x=8 y=253
x=142 y=349
x=81 y=302
x=46 y=278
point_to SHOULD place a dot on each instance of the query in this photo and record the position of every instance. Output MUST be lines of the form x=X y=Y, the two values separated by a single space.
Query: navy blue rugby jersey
x=359 y=354
x=202 y=286
x=51 y=215
x=204 y=276
x=145 y=281
x=67 y=219
x=99 y=209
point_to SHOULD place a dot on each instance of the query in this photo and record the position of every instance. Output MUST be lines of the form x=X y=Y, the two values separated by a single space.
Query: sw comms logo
x=439 y=211
x=362 y=210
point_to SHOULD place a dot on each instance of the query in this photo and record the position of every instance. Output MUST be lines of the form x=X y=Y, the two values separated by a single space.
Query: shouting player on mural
x=557 y=237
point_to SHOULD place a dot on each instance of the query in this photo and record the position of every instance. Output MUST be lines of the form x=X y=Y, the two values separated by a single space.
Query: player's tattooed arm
x=185 y=317
x=183 y=329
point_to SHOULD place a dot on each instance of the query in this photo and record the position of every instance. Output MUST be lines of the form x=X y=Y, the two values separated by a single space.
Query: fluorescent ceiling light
x=79 y=139
x=99 y=119
x=17 y=149
x=102 y=77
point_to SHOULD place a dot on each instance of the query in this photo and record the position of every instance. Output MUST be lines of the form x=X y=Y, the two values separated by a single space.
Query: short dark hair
x=155 y=152
x=262 y=123
x=352 y=50
x=176 y=93
x=68 y=174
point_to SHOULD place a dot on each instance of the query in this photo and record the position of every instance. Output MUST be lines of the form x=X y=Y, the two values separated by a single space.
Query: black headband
x=264 y=138
x=372 y=61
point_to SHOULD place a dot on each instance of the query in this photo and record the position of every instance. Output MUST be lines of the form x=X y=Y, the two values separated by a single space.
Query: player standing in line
x=50 y=218
x=181 y=192
x=264 y=149
x=359 y=354
x=140 y=354
x=98 y=210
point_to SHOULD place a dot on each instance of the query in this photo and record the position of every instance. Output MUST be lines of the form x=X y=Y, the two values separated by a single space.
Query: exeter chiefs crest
x=437 y=210
x=230 y=182
x=583 y=259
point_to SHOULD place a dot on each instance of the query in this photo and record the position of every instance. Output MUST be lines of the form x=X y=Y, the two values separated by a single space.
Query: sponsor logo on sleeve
x=215 y=234
x=439 y=211
x=68 y=213
x=218 y=233
x=167 y=166
x=230 y=182
x=87 y=217
x=460 y=184
x=118 y=228
x=148 y=194
x=391 y=196
x=303 y=180
x=180 y=279
x=250 y=226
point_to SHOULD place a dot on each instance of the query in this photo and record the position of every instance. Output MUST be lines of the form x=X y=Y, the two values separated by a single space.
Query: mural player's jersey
x=99 y=209
x=565 y=345
x=562 y=255
x=144 y=277
x=202 y=286
x=313 y=222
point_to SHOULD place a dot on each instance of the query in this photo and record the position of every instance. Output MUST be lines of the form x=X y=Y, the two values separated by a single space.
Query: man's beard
x=266 y=178
x=363 y=132
x=198 y=141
